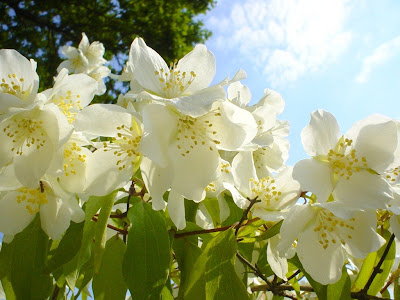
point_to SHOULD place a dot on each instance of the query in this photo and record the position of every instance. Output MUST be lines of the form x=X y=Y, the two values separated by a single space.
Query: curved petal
x=14 y=217
x=55 y=218
x=321 y=134
x=363 y=191
x=176 y=209
x=243 y=170
x=361 y=237
x=158 y=180
x=330 y=260
x=201 y=62
x=314 y=176
x=145 y=63
x=239 y=94
x=278 y=264
x=102 y=119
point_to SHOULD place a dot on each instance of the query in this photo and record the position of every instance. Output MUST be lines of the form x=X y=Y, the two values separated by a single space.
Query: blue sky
x=340 y=56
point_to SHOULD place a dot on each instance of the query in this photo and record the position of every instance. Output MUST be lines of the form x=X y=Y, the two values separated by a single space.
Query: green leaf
x=6 y=254
x=67 y=248
x=147 y=257
x=365 y=272
x=235 y=212
x=109 y=282
x=396 y=290
x=272 y=231
x=250 y=229
x=166 y=294
x=380 y=278
x=100 y=235
x=28 y=261
x=213 y=275
x=341 y=289
x=212 y=207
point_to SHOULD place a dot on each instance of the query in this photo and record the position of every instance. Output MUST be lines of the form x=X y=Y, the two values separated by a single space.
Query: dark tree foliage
x=38 y=28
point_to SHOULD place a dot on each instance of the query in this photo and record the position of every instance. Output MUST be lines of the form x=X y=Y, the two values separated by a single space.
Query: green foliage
x=147 y=257
x=38 y=28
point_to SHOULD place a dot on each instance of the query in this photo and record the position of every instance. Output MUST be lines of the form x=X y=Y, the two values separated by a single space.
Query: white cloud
x=378 y=57
x=283 y=38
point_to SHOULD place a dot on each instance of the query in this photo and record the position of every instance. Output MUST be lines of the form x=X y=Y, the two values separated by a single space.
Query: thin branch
x=290 y=277
x=377 y=268
x=255 y=269
x=245 y=213
x=121 y=231
x=204 y=231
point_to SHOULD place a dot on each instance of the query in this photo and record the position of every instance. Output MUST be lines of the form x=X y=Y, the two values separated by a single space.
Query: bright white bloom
x=71 y=93
x=83 y=59
x=19 y=207
x=324 y=241
x=183 y=151
x=346 y=168
x=115 y=161
x=99 y=74
x=30 y=138
x=19 y=81
x=275 y=194
x=184 y=83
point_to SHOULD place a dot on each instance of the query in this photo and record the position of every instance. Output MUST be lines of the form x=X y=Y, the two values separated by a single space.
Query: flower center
x=13 y=85
x=344 y=165
x=392 y=175
x=330 y=228
x=72 y=156
x=32 y=197
x=174 y=81
x=197 y=132
x=24 y=133
x=69 y=105
x=125 y=146
x=265 y=190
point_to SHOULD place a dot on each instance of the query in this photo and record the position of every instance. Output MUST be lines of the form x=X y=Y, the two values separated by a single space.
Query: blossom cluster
x=191 y=140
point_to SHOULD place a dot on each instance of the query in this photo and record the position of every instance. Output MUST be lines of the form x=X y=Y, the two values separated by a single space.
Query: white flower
x=115 y=161
x=324 y=241
x=71 y=93
x=275 y=194
x=84 y=59
x=19 y=81
x=18 y=208
x=30 y=138
x=184 y=83
x=346 y=168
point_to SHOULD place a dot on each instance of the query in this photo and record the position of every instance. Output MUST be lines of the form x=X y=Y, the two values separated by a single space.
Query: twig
x=290 y=277
x=204 y=231
x=121 y=231
x=244 y=216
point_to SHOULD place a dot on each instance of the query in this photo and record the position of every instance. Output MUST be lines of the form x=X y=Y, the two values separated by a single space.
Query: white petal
x=239 y=94
x=377 y=142
x=159 y=124
x=158 y=180
x=202 y=63
x=363 y=191
x=237 y=197
x=176 y=209
x=363 y=239
x=102 y=119
x=146 y=62
x=273 y=100
x=394 y=224
x=321 y=134
x=14 y=217
x=324 y=265
x=55 y=218
x=314 y=176
x=278 y=264
x=8 y=180
x=297 y=219
x=243 y=170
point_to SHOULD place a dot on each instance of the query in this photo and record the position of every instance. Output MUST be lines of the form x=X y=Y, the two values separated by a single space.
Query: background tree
x=37 y=29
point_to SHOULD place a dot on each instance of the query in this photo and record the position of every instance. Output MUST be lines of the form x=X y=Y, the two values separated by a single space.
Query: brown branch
x=245 y=213
x=204 y=231
x=121 y=231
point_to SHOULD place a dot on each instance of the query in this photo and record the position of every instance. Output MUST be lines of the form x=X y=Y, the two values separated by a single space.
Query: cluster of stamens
x=329 y=227
x=392 y=176
x=344 y=165
x=24 y=133
x=68 y=105
x=175 y=82
x=13 y=85
x=265 y=190
x=72 y=156
x=125 y=146
x=32 y=197
x=211 y=187
x=195 y=132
